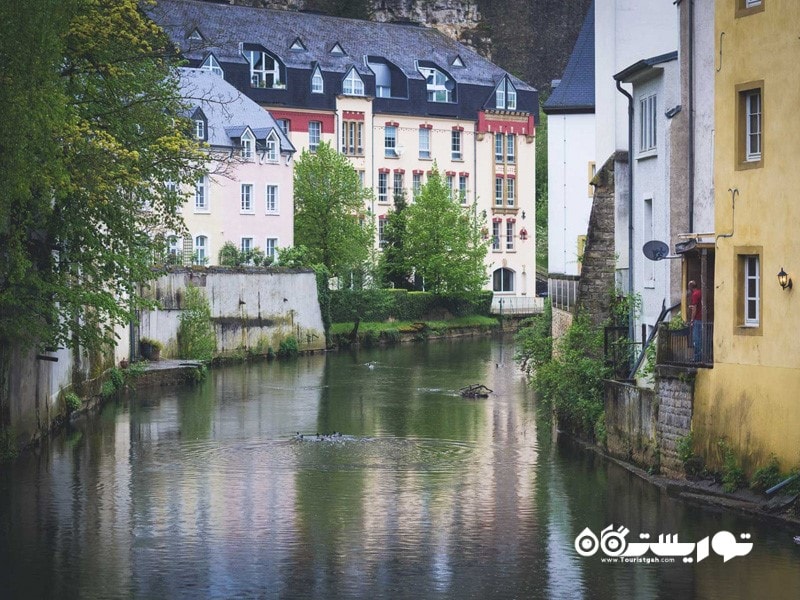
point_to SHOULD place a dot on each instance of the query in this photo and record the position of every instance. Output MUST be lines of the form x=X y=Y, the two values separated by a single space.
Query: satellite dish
x=449 y=85
x=655 y=250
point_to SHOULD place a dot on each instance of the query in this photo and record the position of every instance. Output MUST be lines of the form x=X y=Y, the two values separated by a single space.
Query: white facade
x=570 y=168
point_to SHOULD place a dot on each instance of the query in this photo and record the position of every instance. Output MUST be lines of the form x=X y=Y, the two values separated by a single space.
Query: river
x=206 y=492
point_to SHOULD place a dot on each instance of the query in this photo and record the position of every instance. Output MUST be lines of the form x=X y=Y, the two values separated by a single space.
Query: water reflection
x=205 y=493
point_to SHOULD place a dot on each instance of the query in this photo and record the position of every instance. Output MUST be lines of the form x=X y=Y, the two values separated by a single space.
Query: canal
x=206 y=492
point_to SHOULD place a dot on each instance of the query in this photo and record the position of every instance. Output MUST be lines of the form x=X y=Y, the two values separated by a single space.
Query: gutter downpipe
x=691 y=116
x=630 y=201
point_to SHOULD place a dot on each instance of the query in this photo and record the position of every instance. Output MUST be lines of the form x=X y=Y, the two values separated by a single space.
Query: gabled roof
x=225 y=26
x=229 y=113
x=575 y=93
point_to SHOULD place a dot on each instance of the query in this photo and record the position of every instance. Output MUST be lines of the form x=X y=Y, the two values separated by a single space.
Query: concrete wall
x=251 y=309
x=632 y=423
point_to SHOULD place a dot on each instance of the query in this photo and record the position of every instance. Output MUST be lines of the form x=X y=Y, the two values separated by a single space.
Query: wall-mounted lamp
x=784 y=280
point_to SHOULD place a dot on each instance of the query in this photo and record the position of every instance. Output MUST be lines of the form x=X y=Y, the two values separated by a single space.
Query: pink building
x=248 y=196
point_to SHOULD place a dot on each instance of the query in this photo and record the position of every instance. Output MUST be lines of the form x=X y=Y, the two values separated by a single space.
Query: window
x=416 y=184
x=248 y=144
x=317 y=84
x=199 y=129
x=383 y=79
x=212 y=64
x=247 y=198
x=424 y=142
x=748 y=290
x=271 y=248
x=505 y=96
x=353 y=85
x=382 y=231
x=284 y=125
x=647 y=123
x=510 y=234
x=272 y=149
x=510 y=182
x=439 y=85
x=752 y=291
x=361 y=176
x=271 y=199
x=455 y=144
x=748 y=7
x=352 y=135
x=750 y=125
x=314 y=133
x=503 y=280
x=511 y=141
x=398 y=185
x=201 y=195
x=201 y=250
x=383 y=187
x=247 y=247
x=592 y=171
x=462 y=188
x=498 y=191
x=264 y=70
x=649 y=234
x=498 y=147
x=496 y=235
x=390 y=141
x=450 y=185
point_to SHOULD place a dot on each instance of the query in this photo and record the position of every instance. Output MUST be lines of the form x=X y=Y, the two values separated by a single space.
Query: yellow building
x=751 y=396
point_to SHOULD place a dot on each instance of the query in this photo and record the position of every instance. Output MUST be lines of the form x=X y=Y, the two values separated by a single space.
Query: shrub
x=107 y=390
x=196 y=337
x=767 y=476
x=732 y=474
x=229 y=255
x=288 y=347
x=117 y=378
x=72 y=401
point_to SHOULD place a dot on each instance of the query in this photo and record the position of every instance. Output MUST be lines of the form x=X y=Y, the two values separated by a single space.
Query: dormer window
x=196 y=35
x=457 y=62
x=298 y=45
x=199 y=129
x=440 y=86
x=272 y=148
x=317 y=83
x=353 y=85
x=383 y=79
x=506 y=96
x=212 y=64
x=337 y=49
x=264 y=69
x=248 y=145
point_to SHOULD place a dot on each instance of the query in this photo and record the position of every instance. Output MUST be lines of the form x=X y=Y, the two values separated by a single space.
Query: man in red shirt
x=696 y=319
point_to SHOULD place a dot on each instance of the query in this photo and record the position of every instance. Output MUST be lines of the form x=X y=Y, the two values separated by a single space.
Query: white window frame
x=496 y=236
x=314 y=135
x=648 y=123
x=511 y=148
x=753 y=125
x=245 y=248
x=285 y=126
x=258 y=74
x=424 y=142
x=201 y=250
x=353 y=85
x=499 y=145
x=201 y=203
x=382 y=233
x=390 y=141
x=752 y=273
x=436 y=83
x=271 y=199
x=398 y=182
x=248 y=145
x=752 y=3
x=383 y=187
x=510 y=233
x=212 y=64
x=317 y=82
x=499 y=274
x=199 y=129
x=456 y=146
x=451 y=180
x=246 y=198
x=499 y=185
x=271 y=248
x=416 y=184
x=511 y=96
x=462 y=188
x=271 y=152
x=510 y=191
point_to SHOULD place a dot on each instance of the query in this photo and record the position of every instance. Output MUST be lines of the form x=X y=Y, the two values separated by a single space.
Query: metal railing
x=517 y=305
x=563 y=291
x=683 y=347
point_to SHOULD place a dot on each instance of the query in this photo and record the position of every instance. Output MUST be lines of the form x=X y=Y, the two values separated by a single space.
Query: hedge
x=402 y=305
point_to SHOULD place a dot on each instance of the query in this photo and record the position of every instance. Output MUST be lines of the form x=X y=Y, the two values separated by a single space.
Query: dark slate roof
x=643 y=65
x=575 y=93
x=224 y=27
x=228 y=112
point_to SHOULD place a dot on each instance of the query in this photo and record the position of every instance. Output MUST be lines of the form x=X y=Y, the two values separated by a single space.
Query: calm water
x=202 y=493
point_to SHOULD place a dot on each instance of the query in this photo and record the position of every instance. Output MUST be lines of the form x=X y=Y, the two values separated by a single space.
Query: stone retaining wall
x=632 y=415
x=675 y=391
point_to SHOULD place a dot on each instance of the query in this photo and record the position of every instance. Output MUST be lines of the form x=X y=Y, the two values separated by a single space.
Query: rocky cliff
x=530 y=38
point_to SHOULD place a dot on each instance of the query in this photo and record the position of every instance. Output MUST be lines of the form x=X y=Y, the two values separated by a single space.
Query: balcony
x=675 y=346
x=563 y=291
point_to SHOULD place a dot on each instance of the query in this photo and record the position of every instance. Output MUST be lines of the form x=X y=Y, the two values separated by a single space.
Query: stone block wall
x=675 y=391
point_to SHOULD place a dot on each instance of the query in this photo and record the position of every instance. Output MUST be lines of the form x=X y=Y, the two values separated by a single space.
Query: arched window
x=317 y=84
x=353 y=85
x=440 y=86
x=201 y=250
x=503 y=280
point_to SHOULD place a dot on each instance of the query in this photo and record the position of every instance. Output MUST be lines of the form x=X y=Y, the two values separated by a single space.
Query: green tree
x=196 y=337
x=541 y=188
x=330 y=219
x=394 y=271
x=443 y=243
x=91 y=135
